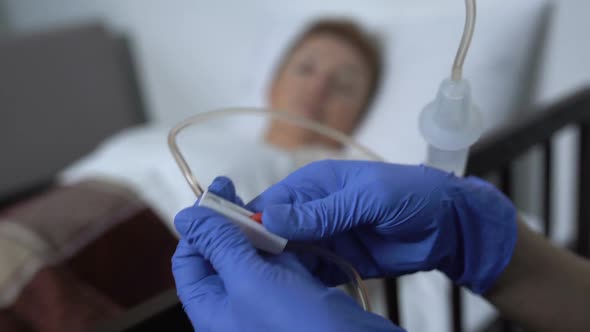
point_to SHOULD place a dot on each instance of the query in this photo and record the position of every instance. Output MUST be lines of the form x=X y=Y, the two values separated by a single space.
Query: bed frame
x=496 y=154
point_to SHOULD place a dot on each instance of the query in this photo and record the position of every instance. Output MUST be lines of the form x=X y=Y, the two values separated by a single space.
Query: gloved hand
x=389 y=220
x=226 y=285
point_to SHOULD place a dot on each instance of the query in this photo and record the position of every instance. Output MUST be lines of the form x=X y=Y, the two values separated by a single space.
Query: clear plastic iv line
x=470 y=15
x=355 y=279
x=317 y=127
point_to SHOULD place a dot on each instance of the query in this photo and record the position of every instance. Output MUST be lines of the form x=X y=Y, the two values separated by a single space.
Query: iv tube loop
x=298 y=120
x=345 y=140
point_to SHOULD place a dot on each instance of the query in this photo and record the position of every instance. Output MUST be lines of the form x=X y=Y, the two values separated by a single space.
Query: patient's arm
x=544 y=288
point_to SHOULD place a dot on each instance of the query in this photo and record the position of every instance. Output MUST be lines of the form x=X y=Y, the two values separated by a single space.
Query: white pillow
x=420 y=45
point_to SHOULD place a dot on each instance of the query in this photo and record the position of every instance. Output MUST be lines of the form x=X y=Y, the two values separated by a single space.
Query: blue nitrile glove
x=225 y=284
x=389 y=220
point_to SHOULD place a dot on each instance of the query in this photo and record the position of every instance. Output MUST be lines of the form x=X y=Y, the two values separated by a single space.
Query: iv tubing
x=470 y=14
x=298 y=120
x=357 y=281
x=352 y=274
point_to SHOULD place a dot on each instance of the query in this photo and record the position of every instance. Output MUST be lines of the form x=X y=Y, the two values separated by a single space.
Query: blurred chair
x=61 y=93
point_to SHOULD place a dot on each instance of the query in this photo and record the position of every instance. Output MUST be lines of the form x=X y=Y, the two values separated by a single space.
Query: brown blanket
x=84 y=253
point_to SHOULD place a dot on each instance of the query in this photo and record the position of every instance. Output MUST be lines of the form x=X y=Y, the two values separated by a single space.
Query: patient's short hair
x=351 y=32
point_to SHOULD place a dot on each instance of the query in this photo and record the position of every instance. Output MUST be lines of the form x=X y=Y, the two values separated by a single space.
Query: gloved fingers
x=313 y=181
x=198 y=287
x=188 y=266
x=224 y=187
x=202 y=304
x=221 y=186
x=218 y=240
x=318 y=265
x=347 y=248
x=314 y=220
x=197 y=284
x=352 y=250
x=289 y=261
x=275 y=194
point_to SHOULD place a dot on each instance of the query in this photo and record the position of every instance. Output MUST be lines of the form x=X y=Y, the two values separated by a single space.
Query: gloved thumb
x=313 y=220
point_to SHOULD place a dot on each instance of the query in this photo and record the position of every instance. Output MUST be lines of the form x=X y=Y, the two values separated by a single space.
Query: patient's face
x=325 y=79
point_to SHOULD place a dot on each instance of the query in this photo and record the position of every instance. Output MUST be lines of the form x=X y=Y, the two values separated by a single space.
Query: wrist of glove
x=483 y=223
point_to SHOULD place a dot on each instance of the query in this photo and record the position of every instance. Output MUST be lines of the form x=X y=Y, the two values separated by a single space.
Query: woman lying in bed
x=329 y=74
x=65 y=255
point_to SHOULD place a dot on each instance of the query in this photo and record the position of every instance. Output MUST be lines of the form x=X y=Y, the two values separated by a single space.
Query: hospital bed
x=164 y=311
x=493 y=157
